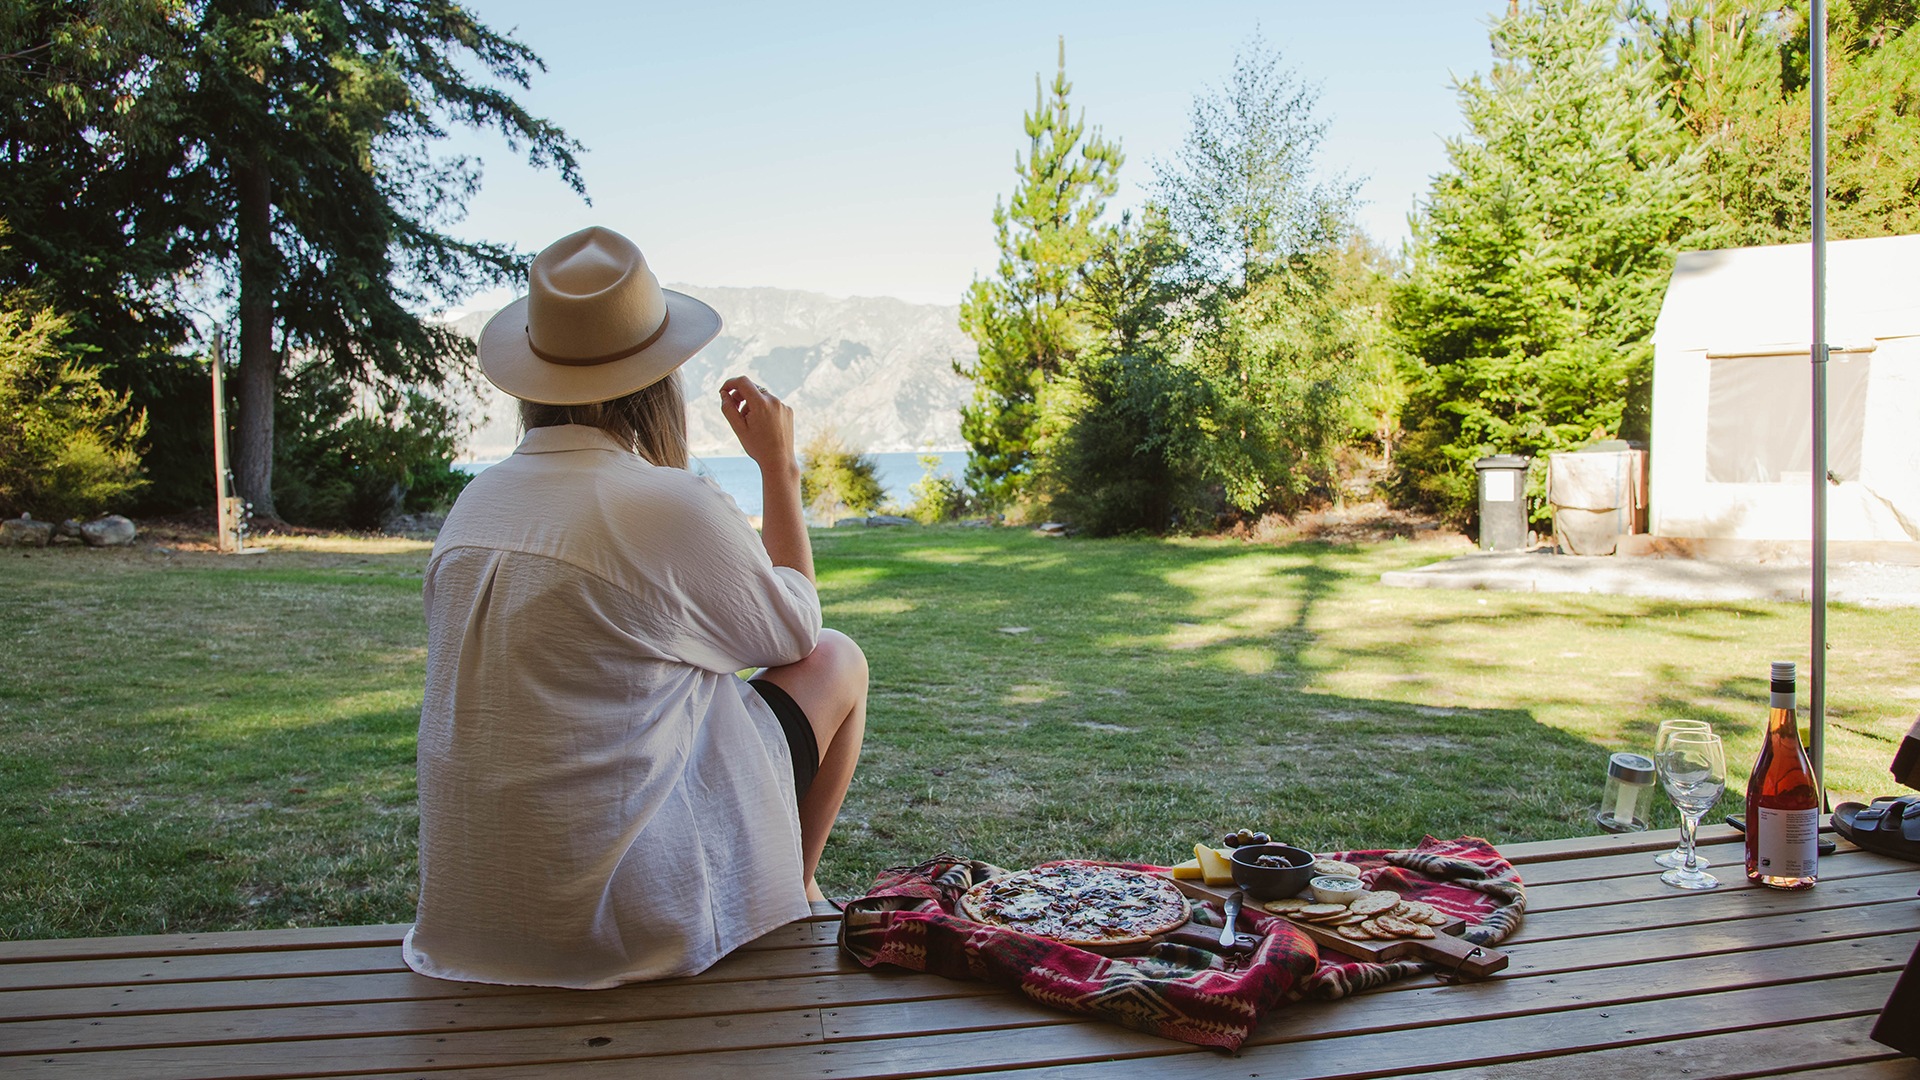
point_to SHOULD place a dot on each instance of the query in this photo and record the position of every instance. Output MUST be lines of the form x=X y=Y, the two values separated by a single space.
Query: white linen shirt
x=602 y=800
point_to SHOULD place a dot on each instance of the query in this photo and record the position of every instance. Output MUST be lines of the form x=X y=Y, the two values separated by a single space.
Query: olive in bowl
x=1270 y=881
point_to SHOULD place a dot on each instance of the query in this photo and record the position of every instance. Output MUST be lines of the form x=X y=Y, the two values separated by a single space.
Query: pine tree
x=281 y=147
x=319 y=115
x=1736 y=77
x=1022 y=319
x=1541 y=256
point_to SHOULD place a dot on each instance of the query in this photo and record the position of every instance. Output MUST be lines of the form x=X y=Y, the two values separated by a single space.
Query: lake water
x=739 y=477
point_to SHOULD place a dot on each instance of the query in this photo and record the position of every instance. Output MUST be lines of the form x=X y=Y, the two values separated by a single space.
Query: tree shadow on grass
x=165 y=827
x=1125 y=699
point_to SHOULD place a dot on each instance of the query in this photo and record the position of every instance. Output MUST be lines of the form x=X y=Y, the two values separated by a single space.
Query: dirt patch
x=196 y=530
x=1352 y=523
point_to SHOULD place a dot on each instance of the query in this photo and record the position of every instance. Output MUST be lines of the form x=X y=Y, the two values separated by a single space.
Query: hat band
x=571 y=361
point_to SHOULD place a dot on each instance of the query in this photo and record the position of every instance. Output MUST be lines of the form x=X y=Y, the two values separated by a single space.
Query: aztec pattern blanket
x=910 y=918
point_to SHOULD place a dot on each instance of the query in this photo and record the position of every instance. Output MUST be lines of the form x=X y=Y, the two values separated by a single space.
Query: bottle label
x=1787 y=842
x=1780 y=700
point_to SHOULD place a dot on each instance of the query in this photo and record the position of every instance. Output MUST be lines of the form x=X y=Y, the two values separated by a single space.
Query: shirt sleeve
x=729 y=606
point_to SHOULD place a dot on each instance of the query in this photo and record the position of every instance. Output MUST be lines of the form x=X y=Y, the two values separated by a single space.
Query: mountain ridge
x=876 y=368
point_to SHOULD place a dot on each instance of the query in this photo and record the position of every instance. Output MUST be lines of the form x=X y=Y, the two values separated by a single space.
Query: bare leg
x=830 y=686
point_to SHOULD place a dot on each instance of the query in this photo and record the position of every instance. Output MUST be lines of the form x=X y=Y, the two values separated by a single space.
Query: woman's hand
x=763 y=424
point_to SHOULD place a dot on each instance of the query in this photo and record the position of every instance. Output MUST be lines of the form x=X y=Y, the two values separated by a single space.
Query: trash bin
x=1503 y=502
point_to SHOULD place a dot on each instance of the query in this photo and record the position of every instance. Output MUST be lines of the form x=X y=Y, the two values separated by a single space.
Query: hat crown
x=591 y=298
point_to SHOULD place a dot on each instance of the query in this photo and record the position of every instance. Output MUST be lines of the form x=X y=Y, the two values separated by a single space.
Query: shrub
x=67 y=443
x=937 y=496
x=834 y=477
x=340 y=466
x=1133 y=449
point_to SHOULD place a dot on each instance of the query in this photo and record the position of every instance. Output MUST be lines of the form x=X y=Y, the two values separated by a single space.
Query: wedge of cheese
x=1214 y=867
x=1188 y=869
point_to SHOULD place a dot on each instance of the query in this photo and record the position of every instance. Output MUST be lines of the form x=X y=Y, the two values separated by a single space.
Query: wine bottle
x=1783 y=804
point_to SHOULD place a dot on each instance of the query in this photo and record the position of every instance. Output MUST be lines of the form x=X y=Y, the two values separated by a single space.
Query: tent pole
x=1817 y=48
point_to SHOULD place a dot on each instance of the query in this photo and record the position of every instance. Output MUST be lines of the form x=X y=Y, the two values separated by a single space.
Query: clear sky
x=857 y=149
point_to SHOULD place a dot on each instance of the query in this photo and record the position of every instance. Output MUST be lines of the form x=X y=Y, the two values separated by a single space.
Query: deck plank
x=1894 y=1068
x=230 y=941
x=95 y=1001
x=1841 y=929
x=1620 y=918
x=513 y=1046
x=743 y=964
x=1792 y=1047
x=1728 y=857
x=1652 y=842
x=564 y=1008
x=1634 y=888
x=1517 y=1042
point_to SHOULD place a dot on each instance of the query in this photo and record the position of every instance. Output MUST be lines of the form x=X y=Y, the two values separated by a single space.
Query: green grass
x=190 y=743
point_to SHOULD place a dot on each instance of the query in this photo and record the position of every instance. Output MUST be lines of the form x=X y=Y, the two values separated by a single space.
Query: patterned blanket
x=909 y=918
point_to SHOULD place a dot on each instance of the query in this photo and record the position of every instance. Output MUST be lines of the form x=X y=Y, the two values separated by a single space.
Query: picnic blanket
x=909 y=918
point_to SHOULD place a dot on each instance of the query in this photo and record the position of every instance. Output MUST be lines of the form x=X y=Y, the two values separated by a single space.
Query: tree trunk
x=259 y=371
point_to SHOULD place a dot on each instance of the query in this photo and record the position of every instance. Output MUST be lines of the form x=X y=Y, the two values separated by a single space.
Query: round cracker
x=1335 y=868
x=1375 y=902
x=1353 y=933
x=1314 y=911
x=1291 y=903
x=1396 y=926
x=1422 y=930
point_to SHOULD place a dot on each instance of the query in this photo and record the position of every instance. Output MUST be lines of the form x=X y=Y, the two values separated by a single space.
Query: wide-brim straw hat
x=595 y=325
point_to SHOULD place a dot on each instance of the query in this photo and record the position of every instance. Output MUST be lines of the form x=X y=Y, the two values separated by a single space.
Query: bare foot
x=813 y=891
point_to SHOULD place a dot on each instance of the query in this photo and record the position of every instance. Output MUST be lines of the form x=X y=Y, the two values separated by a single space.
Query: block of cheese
x=1214 y=867
x=1188 y=869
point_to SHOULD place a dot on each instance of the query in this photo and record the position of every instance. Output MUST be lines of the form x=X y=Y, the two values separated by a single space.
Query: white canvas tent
x=1731 y=394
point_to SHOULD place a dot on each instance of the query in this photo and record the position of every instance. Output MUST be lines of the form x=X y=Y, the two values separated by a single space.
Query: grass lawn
x=192 y=743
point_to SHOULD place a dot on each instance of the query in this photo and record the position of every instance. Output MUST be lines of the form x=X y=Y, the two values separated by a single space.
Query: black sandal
x=1891 y=826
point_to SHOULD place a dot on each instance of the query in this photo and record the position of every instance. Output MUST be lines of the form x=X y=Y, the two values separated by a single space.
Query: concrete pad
x=1865 y=584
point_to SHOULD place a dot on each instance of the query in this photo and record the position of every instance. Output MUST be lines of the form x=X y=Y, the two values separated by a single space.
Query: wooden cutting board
x=1445 y=948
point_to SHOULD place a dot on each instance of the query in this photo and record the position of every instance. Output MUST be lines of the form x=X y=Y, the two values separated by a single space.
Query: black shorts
x=800 y=738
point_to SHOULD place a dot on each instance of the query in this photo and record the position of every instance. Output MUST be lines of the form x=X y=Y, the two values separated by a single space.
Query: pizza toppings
x=1079 y=904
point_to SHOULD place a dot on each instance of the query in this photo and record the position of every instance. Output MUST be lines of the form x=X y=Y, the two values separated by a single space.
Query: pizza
x=1083 y=904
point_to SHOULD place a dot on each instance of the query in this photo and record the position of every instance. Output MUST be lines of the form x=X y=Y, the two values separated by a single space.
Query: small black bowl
x=1272 y=882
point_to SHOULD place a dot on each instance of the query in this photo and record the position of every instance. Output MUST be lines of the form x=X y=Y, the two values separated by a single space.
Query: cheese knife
x=1227 y=932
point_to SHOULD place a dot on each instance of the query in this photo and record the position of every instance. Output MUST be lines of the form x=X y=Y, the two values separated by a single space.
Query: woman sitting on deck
x=602 y=800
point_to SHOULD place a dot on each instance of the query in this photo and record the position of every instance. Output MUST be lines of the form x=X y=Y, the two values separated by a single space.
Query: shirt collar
x=554 y=440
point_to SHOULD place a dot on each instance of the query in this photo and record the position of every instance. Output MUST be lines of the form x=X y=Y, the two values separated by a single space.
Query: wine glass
x=1677 y=858
x=1693 y=769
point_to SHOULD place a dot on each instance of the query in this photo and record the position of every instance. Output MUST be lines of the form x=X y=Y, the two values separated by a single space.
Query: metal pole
x=1817 y=48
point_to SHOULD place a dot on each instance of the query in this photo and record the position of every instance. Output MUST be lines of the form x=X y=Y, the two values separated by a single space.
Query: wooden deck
x=1614 y=975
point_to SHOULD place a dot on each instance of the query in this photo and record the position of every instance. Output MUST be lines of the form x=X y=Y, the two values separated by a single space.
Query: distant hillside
x=874 y=367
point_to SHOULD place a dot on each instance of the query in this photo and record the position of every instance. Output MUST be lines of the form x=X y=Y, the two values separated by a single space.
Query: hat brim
x=509 y=362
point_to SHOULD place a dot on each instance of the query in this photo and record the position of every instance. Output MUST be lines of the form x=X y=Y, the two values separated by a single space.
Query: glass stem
x=1689 y=825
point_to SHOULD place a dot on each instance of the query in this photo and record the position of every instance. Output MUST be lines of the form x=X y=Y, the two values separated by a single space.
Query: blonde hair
x=651 y=421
